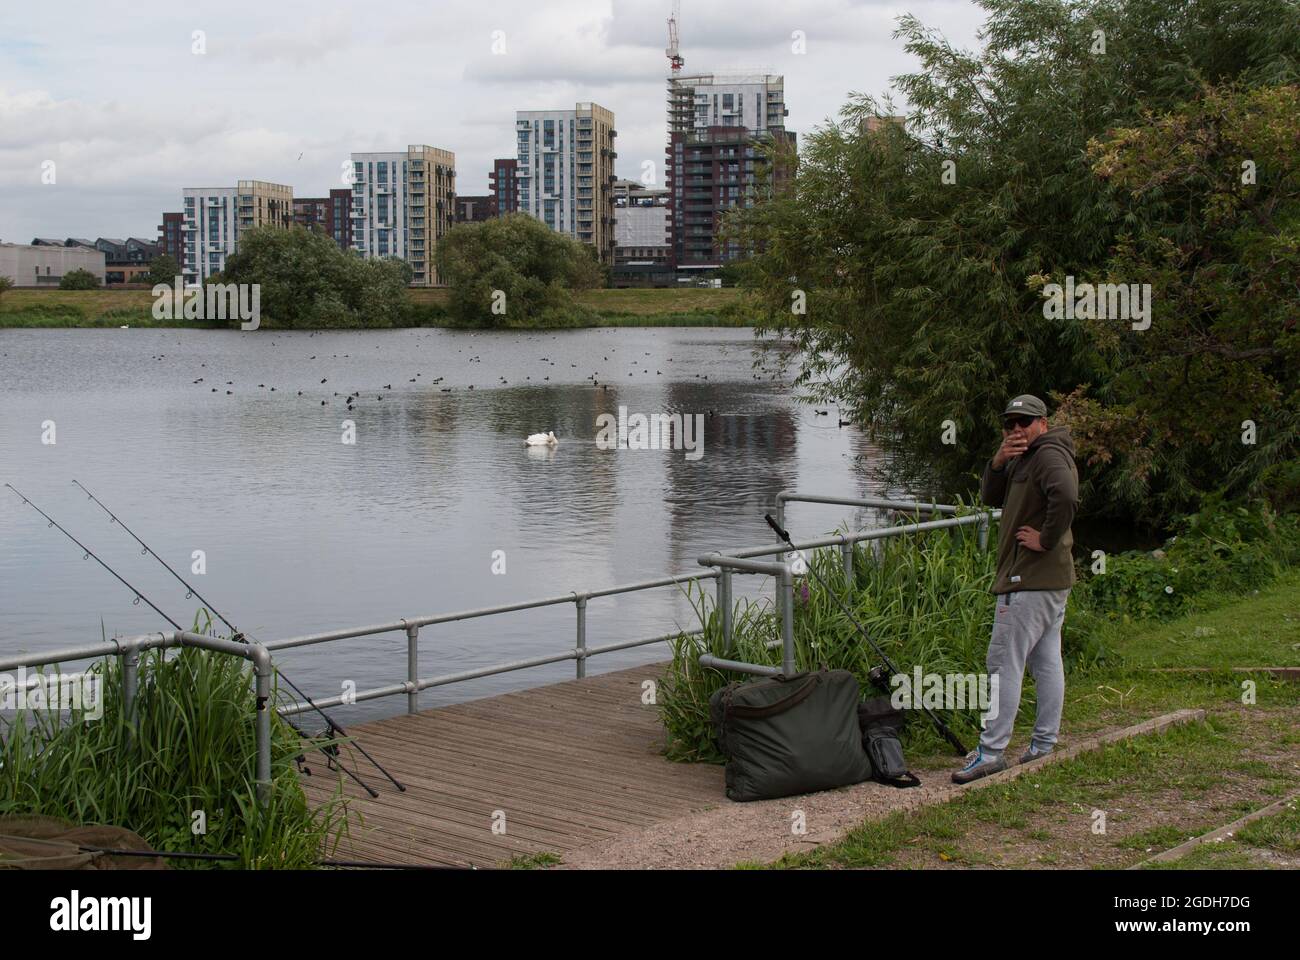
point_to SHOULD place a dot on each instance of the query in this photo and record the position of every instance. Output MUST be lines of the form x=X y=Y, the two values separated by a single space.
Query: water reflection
x=303 y=531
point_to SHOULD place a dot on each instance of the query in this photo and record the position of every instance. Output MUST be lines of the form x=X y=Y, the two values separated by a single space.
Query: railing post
x=413 y=668
x=785 y=601
x=130 y=685
x=582 y=636
x=725 y=605
x=846 y=552
x=984 y=532
x=263 y=684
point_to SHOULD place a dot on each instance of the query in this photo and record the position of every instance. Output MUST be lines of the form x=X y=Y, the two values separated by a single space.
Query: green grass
x=1177 y=766
x=68 y=315
x=1278 y=833
x=193 y=749
x=690 y=307
x=533 y=861
x=926 y=602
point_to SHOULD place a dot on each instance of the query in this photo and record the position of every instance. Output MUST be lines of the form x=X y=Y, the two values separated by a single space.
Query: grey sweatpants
x=1026 y=632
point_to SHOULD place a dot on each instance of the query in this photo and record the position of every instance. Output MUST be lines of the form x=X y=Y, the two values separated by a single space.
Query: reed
x=186 y=763
x=925 y=601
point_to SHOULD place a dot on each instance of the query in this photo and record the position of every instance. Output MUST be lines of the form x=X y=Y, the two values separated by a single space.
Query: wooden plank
x=1214 y=836
x=553 y=760
x=570 y=764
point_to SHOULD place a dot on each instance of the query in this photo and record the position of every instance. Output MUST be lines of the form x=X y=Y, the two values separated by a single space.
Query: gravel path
x=722 y=836
x=760 y=831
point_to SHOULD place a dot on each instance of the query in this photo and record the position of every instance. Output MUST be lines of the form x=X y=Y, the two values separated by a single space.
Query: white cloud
x=132 y=116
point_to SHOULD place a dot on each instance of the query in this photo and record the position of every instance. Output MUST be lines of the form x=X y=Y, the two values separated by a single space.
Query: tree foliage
x=514 y=271
x=308 y=281
x=162 y=269
x=1097 y=139
x=79 y=279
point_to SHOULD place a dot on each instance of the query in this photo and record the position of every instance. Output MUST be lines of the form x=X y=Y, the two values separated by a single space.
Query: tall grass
x=925 y=602
x=192 y=748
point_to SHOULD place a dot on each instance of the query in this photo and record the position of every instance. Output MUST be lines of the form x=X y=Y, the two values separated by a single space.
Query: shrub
x=307 y=281
x=514 y=271
x=79 y=280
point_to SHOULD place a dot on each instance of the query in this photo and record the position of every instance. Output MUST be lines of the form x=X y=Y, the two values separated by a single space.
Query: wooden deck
x=568 y=765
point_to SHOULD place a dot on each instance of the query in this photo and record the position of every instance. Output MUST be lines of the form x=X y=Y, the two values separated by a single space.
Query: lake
x=301 y=532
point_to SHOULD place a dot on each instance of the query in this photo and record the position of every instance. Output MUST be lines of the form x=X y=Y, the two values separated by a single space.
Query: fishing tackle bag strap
x=882 y=730
x=800 y=694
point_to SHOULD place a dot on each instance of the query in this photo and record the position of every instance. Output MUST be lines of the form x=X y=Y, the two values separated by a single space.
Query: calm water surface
x=302 y=532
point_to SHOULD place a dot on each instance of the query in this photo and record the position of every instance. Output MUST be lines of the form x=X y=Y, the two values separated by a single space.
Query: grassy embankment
x=689 y=307
x=1155 y=791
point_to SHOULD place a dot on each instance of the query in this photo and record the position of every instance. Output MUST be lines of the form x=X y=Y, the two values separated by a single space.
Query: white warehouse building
x=45 y=266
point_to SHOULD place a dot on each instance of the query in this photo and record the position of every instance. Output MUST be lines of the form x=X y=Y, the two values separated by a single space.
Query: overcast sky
x=113 y=93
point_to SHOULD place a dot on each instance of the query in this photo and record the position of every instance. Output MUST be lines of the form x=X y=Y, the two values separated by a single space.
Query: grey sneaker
x=1032 y=754
x=977 y=766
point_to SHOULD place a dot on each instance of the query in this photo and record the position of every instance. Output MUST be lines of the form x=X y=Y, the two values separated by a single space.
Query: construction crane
x=674 y=55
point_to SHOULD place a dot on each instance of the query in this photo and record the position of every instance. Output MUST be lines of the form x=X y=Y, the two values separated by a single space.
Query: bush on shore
x=514 y=271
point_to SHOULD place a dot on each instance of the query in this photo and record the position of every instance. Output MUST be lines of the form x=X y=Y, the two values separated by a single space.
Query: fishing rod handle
x=779 y=532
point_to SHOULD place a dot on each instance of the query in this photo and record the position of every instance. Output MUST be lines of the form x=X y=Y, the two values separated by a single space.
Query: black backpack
x=882 y=729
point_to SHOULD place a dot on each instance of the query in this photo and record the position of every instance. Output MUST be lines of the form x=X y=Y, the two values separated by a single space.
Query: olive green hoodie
x=1039 y=489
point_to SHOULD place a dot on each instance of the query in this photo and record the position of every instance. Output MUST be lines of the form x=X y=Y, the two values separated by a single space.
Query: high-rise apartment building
x=214 y=218
x=210 y=231
x=716 y=128
x=566 y=172
x=475 y=209
x=330 y=215
x=699 y=101
x=171 y=236
x=403 y=203
x=504 y=185
x=262 y=204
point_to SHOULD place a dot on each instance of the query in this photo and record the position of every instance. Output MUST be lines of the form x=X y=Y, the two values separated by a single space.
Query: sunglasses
x=1010 y=423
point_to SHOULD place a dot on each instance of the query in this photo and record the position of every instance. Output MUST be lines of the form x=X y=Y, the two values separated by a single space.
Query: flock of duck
x=547 y=439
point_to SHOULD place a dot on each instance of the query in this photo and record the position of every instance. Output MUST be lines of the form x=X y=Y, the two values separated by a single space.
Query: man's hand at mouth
x=1013 y=445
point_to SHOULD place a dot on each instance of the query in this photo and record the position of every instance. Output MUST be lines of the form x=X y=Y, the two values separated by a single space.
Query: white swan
x=542 y=440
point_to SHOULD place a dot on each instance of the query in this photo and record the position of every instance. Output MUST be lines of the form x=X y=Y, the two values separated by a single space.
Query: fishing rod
x=92 y=555
x=942 y=727
x=331 y=758
x=239 y=635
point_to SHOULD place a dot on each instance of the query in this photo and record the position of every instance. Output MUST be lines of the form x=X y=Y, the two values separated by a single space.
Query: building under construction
x=718 y=129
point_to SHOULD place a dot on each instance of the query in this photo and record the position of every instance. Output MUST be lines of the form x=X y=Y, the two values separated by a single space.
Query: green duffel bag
x=789 y=735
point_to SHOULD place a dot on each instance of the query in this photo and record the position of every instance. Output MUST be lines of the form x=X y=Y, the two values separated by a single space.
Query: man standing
x=1033 y=478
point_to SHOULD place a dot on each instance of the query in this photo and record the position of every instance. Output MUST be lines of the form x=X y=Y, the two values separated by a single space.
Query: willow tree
x=910 y=259
x=515 y=271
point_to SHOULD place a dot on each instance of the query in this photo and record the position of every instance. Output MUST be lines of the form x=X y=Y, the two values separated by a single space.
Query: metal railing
x=741 y=560
x=129 y=650
x=414 y=683
x=722 y=567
